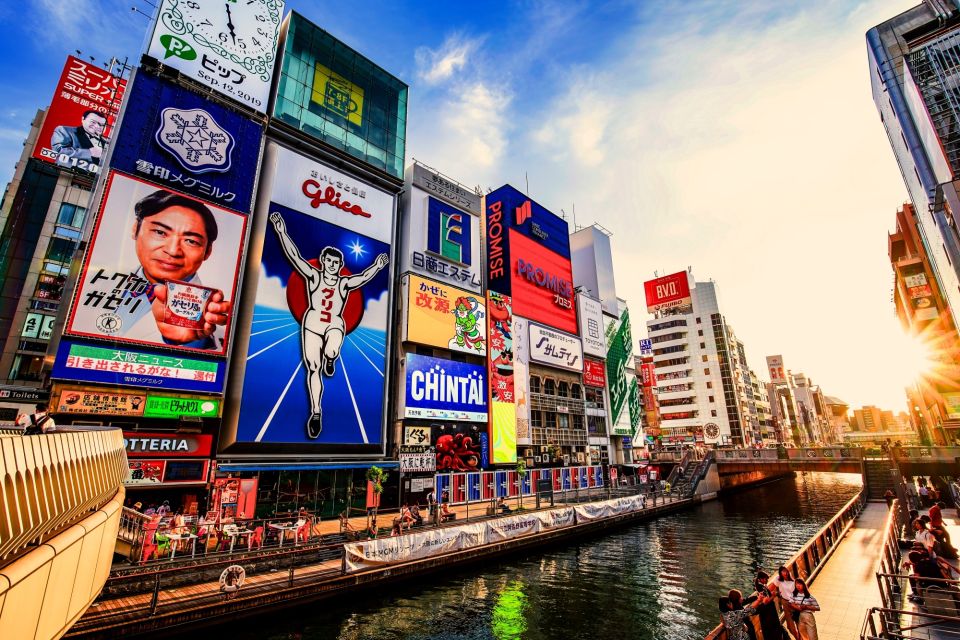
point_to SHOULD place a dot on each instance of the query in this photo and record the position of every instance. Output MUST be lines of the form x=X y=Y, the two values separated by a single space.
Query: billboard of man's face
x=94 y=124
x=171 y=244
x=332 y=263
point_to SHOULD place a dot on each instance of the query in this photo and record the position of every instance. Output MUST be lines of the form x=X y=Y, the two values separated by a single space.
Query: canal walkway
x=847 y=585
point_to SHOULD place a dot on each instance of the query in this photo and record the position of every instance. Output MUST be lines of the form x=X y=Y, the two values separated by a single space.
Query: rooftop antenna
x=135 y=10
x=574 y=216
x=526 y=178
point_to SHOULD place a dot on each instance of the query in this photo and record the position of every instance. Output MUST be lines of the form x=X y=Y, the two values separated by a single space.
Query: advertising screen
x=503 y=417
x=442 y=316
x=77 y=127
x=667 y=292
x=38 y=325
x=230 y=47
x=555 y=348
x=332 y=93
x=178 y=139
x=542 y=284
x=619 y=351
x=445 y=389
x=161 y=270
x=590 y=318
x=139 y=368
x=315 y=359
x=98 y=401
x=594 y=373
x=521 y=377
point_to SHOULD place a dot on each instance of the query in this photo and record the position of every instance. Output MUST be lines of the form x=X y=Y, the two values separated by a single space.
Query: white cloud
x=434 y=66
x=272 y=292
x=375 y=314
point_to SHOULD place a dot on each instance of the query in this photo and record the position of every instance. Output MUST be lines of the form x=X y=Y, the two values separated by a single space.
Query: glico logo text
x=330 y=196
x=559 y=286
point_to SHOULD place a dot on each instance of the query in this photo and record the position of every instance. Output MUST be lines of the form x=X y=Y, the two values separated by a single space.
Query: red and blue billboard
x=528 y=258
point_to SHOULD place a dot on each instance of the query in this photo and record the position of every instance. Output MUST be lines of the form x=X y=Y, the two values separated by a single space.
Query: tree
x=521 y=474
x=376 y=476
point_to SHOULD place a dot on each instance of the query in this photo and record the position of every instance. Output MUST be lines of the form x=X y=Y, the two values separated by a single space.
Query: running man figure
x=322 y=329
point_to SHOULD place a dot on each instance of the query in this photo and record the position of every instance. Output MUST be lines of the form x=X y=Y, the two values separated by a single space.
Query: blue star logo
x=357 y=249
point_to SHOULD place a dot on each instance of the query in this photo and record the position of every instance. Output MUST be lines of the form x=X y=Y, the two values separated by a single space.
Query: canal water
x=659 y=579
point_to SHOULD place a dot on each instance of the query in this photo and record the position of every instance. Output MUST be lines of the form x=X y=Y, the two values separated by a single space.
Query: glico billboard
x=528 y=258
x=308 y=369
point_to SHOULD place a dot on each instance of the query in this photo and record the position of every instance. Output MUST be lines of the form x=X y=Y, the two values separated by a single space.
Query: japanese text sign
x=443 y=316
x=444 y=389
x=555 y=348
x=77 y=126
x=176 y=138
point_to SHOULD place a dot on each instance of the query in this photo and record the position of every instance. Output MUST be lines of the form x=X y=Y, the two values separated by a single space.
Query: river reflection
x=659 y=579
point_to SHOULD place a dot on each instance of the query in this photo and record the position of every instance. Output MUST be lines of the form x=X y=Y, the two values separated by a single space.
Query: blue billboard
x=445 y=390
x=179 y=139
x=506 y=209
x=136 y=368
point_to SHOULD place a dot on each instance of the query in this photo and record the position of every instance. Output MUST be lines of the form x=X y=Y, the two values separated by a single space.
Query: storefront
x=15 y=401
x=169 y=467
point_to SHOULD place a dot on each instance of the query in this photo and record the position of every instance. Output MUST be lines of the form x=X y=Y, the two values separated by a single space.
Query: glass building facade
x=335 y=95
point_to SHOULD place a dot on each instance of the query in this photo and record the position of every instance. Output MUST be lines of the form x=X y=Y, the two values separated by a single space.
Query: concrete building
x=924 y=314
x=870 y=418
x=42 y=215
x=913 y=75
x=701 y=372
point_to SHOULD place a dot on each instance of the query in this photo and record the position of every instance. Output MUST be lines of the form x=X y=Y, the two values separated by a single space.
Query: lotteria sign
x=444 y=389
x=166 y=445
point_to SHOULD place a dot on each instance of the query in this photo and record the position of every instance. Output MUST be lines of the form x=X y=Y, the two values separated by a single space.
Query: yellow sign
x=335 y=93
x=107 y=402
x=504 y=434
x=443 y=316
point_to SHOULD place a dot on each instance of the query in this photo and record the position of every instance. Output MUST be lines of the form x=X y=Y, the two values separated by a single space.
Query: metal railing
x=812 y=557
x=51 y=480
x=888 y=624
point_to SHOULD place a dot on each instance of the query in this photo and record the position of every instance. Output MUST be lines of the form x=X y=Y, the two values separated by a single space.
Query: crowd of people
x=794 y=598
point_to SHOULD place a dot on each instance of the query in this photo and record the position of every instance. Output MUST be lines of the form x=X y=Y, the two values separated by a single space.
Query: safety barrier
x=54 y=479
x=484 y=486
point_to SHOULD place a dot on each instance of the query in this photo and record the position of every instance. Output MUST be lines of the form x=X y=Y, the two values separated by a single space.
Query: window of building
x=563 y=420
x=61 y=250
x=698 y=320
x=71 y=215
x=703 y=345
x=700 y=332
x=703 y=357
x=534 y=384
x=711 y=399
x=536 y=419
x=576 y=391
x=563 y=389
x=578 y=422
x=706 y=372
x=549 y=420
x=709 y=385
x=549 y=387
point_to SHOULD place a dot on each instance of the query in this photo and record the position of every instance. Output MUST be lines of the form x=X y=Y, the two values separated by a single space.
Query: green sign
x=619 y=351
x=634 y=403
x=158 y=407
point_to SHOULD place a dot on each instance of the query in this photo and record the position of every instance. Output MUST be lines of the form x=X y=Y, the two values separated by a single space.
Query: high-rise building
x=701 y=371
x=913 y=75
x=924 y=314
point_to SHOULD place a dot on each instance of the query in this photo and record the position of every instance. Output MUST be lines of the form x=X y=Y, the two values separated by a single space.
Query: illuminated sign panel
x=503 y=416
x=442 y=316
x=590 y=317
x=542 y=284
x=444 y=389
x=667 y=292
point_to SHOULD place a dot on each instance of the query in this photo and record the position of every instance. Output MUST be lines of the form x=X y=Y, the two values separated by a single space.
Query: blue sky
x=735 y=137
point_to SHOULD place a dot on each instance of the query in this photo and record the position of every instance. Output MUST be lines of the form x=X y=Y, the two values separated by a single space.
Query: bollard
x=156 y=594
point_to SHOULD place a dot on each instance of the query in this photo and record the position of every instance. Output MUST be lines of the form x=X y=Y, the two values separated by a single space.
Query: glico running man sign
x=314 y=366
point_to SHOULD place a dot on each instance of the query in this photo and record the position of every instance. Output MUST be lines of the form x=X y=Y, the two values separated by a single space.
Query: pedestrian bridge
x=62 y=495
x=836 y=459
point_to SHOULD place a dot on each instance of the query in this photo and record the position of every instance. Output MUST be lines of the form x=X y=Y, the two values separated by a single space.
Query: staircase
x=878 y=477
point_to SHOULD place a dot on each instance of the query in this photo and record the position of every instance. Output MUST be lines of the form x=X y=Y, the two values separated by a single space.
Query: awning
x=305 y=466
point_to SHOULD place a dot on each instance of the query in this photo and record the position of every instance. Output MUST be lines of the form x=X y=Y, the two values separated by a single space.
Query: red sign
x=167 y=445
x=542 y=284
x=77 y=126
x=648 y=374
x=668 y=291
x=594 y=373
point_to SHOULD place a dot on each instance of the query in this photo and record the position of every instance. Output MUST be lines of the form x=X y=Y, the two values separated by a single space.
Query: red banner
x=77 y=126
x=542 y=284
x=668 y=291
x=594 y=373
x=648 y=374
x=167 y=445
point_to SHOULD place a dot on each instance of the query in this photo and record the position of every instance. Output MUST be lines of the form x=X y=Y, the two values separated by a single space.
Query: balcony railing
x=52 y=480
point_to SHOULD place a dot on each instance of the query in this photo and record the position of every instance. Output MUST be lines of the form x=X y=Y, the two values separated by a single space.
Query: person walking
x=431 y=502
x=805 y=604
x=38 y=422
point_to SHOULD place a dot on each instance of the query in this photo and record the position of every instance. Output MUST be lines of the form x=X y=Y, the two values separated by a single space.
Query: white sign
x=590 y=317
x=440 y=241
x=38 y=325
x=555 y=348
x=775 y=367
x=416 y=462
x=230 y=47
x=416 y=435
x=320 y=191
